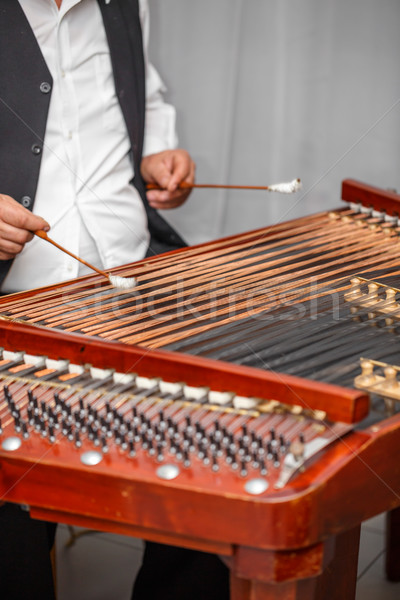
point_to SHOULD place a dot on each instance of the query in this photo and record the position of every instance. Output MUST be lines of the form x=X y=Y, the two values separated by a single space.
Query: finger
x=5 y=256
x=158 y=196
x=12 y=213
x=9 y=249
x=10 y=233
x=28 y=221
x=182 y=170
x=16 y=227
x=164 y=196
x=166 y=200
x=165 y=206
x=192 y=175
x=161 y=171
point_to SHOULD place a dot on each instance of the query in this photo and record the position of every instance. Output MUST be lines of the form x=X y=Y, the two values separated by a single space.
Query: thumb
x=36 y=222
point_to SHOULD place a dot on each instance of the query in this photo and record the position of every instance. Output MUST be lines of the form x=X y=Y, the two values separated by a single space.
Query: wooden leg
x=337 y=581
x=243 y=589
x=392 y=565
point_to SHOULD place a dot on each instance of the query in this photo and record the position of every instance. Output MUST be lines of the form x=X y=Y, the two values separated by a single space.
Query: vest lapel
x=122 y=25
x=23 y=102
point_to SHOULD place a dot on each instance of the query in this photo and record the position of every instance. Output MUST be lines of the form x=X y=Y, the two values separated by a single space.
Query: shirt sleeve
x=160 y=124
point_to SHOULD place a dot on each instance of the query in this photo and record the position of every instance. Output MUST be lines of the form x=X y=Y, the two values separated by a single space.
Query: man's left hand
x=167 y=170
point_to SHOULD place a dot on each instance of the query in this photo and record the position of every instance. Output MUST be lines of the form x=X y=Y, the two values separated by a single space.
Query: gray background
x=270 y=90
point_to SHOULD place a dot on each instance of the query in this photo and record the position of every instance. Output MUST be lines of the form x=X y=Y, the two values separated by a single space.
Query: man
x=82 y=127
x=72 y=133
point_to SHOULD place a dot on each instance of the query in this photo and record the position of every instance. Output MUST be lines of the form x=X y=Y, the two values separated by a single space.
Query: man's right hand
x=16 y=226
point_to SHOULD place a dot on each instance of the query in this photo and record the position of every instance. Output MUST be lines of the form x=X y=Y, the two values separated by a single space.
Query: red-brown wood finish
x=371 y=197
x=336 y=581
x=278 y=544
x=340 y=404
x=297 y=543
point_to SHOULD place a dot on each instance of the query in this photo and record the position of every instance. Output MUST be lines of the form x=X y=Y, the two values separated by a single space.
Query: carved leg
x=393 y=545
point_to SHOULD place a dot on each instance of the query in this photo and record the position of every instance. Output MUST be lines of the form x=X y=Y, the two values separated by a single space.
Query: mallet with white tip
x=122 y=283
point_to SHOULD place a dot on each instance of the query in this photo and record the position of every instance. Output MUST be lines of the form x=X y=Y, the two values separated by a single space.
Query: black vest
x=25 y=91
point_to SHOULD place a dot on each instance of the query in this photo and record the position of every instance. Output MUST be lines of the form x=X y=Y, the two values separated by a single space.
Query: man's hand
x=16 y=226
x=168 y=169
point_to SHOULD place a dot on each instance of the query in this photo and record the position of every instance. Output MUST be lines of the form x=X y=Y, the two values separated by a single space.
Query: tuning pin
x=269 y=450
x=103 y=442
x=254 y=458
x=215 y=465
x=160 y=456
x=131 y=446
x=51 y=436
x=263 y=468
x=276 y=460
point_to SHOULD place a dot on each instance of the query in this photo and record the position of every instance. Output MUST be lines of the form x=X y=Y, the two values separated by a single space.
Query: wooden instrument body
x=276 y=539
x=292 y=544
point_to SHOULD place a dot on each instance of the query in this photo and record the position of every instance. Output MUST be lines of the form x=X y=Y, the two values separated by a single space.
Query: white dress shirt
x=83 y=189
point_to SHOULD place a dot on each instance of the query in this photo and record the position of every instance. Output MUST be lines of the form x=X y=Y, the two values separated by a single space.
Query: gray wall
x=270 y=90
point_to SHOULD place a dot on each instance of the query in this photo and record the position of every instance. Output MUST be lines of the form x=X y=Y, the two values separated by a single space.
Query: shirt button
x=26 y=201
x=45 y=87
x=36 y=149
